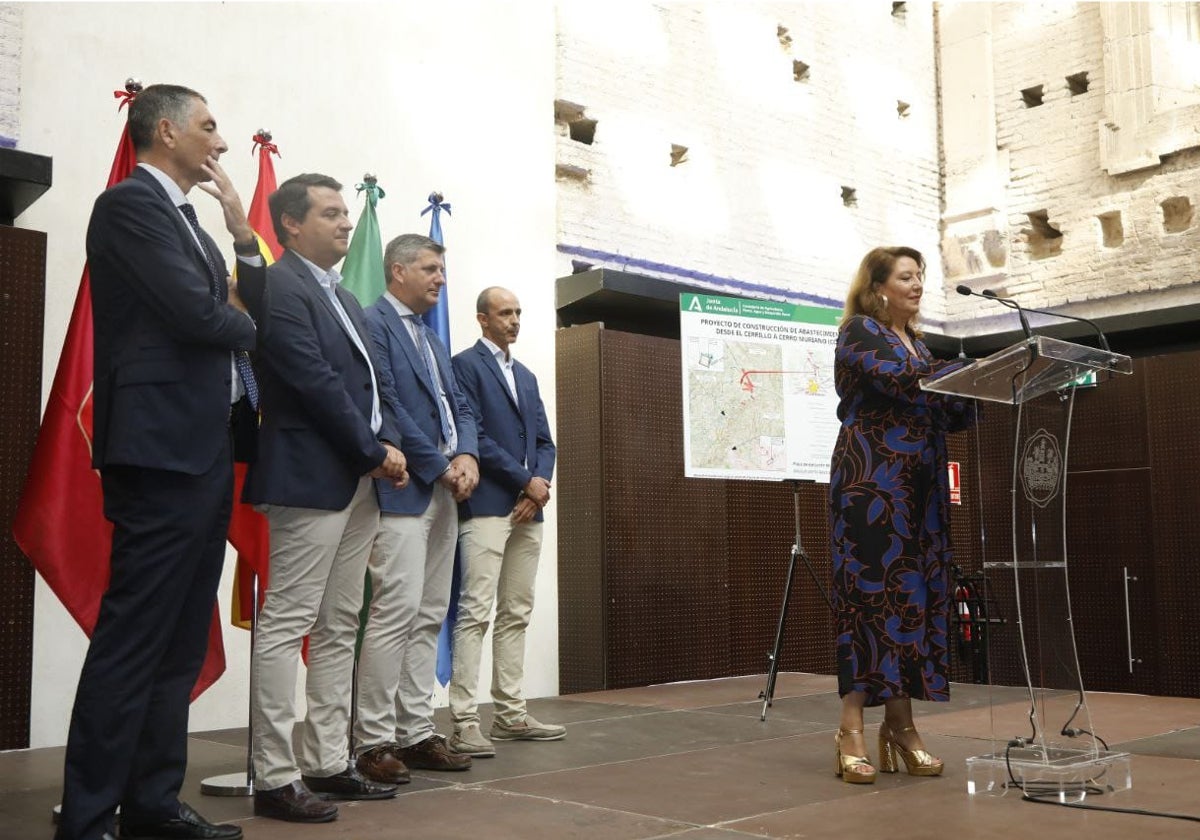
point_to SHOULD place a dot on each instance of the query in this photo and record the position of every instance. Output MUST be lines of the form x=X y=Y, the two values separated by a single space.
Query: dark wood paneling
x=22 y=267
x=664 y=578
x=667 y=574
x=963 y=447
x=579 y=502
x=1173 y=419
x=1109 y=530
x=762 y=530
x=1131 y=504
x=1108 y=430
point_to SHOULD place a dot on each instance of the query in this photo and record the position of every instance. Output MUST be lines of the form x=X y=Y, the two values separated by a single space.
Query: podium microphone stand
x=1037 y=377
x=768 y=693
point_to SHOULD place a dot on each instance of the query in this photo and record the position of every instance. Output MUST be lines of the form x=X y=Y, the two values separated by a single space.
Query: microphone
x=1099 y=333
x=1011 y=304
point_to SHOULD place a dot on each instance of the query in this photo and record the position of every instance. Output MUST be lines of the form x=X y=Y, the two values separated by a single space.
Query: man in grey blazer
x=413 y=559
x=325 y=434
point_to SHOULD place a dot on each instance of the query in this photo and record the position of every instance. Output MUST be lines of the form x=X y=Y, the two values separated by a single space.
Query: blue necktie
x=426 y=352
x=216 y=285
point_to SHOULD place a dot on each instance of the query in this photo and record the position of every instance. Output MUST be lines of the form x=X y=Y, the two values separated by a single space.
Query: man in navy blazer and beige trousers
x=325 y=434
x=500 y=532
x=413 y=559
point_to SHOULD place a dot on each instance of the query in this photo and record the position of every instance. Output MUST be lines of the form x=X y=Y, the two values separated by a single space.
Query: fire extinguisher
x=962 y=595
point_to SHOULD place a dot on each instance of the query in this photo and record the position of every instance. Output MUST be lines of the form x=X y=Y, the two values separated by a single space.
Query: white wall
x=454 y=97
x=758 y=200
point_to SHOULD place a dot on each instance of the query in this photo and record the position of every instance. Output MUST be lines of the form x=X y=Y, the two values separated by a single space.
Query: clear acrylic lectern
x=1048 y=749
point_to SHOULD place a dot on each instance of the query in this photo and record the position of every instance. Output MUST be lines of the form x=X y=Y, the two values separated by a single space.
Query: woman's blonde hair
x=864 y=297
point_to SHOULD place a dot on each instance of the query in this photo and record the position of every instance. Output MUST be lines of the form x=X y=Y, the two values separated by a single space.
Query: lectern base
x=1053 y=773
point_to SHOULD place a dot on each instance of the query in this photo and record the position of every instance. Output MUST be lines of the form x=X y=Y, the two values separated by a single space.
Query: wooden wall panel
x=22 y=292
x=762 y=530
x=1173 y=420
x=666 y=568
x=664 y=578
x=579 y=499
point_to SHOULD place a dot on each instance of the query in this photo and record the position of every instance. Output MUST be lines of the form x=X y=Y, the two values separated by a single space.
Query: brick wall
x=1119 y=252
x=756 y=205
x=10 y=73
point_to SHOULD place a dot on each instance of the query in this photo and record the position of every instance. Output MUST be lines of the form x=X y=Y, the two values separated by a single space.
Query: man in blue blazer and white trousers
x=326 y=433
x=500 y=532
x=412 y=562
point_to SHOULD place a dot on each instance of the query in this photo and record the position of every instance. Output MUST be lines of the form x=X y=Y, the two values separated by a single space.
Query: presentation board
x=758 y=394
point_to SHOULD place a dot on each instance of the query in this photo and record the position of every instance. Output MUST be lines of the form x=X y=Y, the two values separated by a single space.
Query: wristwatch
x=246 y=249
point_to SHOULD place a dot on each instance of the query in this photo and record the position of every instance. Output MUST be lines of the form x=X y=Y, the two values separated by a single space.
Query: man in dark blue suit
x=325 y=434
x=501 y=529
x=413 y=558
x=167 y=328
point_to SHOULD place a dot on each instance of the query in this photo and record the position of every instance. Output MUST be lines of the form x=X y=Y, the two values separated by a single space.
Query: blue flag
x=438 y=320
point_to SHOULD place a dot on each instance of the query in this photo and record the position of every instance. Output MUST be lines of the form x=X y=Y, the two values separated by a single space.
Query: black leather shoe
x=349 y=784
x=293 y=803
x=187 y=826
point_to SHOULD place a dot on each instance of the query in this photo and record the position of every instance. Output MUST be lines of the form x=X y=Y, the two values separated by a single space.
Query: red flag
x=260 y=214
x=60 y=524
x=247 y=527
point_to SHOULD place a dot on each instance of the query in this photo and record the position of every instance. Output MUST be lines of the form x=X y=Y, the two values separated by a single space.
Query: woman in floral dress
x=889 y=504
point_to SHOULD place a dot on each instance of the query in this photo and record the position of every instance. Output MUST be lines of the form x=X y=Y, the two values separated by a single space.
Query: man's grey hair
x=157 y=102
x=405 y=247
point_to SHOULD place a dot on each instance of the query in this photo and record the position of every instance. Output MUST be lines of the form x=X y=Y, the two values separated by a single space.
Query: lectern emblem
x=1041 y=468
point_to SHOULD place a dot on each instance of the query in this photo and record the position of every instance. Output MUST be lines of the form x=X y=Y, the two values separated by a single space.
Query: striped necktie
x=216 y=285
x=426 y=352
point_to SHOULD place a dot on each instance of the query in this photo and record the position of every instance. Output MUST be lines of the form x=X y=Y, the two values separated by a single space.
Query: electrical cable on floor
x=1135 y=811
x=1040 y=792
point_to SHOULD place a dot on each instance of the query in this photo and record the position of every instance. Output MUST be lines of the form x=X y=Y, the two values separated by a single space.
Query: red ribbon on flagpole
x=132 y=88
x=263 y=139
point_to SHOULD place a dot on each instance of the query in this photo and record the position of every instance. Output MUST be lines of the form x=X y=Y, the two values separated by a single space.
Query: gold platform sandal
x=917 y=762
x=855 y=769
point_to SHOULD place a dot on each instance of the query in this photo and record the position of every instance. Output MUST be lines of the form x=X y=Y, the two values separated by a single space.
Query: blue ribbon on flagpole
x=438 y=317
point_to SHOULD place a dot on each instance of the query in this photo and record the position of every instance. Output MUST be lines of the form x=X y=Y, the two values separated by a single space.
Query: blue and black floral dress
x=889 y=509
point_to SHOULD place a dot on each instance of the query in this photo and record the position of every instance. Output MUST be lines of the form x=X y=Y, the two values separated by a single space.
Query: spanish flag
x=247 y=527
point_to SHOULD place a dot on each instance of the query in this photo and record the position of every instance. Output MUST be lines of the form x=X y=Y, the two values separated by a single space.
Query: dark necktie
x=426 y=351
x=216 y=285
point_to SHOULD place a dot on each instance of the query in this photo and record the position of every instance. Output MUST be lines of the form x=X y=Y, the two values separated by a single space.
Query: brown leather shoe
x=293 y=803
x=349 y=784
x=433 y=754
x=382 y=764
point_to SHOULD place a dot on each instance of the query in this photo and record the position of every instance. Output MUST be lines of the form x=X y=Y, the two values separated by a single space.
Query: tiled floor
x=693 y=761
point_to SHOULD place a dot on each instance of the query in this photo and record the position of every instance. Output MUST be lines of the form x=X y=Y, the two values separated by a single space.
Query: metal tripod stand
x=768 y=693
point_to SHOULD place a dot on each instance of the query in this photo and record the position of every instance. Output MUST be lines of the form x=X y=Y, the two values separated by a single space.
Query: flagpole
x=247 y=529
x=240 y=784
x=438 y=320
